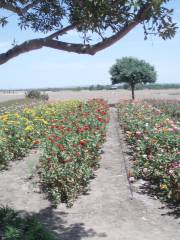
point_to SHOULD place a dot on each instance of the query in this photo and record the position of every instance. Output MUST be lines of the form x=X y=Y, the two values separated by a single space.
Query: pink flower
x=176 y=129
x=170 y=129
x=138 y=134
x=150 y=157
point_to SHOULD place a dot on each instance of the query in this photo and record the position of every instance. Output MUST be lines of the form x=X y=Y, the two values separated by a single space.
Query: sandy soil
x=105 y=212
x=11 y=96
x=112 y=96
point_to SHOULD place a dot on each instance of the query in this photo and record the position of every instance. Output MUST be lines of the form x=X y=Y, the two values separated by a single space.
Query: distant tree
x=132 y=71
x=101 y=23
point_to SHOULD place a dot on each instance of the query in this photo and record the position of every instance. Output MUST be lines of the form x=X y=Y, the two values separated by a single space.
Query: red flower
x=80 y=130
x=60 y=146
x=87 y=127
x=82 y=142
x=78 y=154
x=36 y=142
x=57 y=138
x=99 y=118
x=51 y=139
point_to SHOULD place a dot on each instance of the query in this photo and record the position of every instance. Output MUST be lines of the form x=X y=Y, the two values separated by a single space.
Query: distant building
x=113 y=87
x=117 y=86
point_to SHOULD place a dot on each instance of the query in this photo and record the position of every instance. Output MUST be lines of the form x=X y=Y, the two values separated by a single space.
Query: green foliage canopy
x=100 y=22
x=132 y=71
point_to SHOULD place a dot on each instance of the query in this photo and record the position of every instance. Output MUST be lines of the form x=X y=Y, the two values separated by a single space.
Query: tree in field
x=132 y=71
x=101 y=23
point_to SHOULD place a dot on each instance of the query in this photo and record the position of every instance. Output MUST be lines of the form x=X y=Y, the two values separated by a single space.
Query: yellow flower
x=165 y=130
x=5 y=117
x=163 y=187
x=17 y=115
x=41 y=120
x=44 y=121
x=29 y=128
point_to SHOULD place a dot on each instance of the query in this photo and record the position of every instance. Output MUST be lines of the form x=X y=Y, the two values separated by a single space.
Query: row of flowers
x=21 y=131
x=72 y=150
x=70 y=135
x=169 y=107
x=18 y=105
x=154 y=139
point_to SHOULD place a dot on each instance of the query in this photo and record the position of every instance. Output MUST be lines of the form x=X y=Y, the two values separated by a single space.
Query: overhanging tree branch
x=22 y=48
x=90 y=49
x=62 y=31
x=11 y=8
x=18 y=10
x=49 y=41
x=69 y=47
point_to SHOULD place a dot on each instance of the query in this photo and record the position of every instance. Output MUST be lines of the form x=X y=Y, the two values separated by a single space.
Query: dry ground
x=11 y=96
x=112 y=96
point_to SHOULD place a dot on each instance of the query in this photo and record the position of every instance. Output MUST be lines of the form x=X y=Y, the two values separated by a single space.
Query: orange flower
x=37 y=142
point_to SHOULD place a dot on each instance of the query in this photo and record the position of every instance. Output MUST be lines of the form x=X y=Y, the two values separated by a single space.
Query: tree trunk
x=132 y=89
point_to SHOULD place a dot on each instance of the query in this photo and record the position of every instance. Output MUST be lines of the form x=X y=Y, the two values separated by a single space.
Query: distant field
x=112 y=96
x=11 y=96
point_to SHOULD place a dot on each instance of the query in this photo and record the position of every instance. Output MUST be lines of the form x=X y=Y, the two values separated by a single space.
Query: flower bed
x=155 y=140
x=70 y=135
x=21 y=131
x=170 y=107
x=71 y=150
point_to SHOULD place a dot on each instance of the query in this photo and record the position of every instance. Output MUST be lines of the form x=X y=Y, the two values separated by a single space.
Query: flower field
x=21 y=131
x=19 y=105
x=169 y=107
x=71 y=150
x=70 y=135
x=155 y=141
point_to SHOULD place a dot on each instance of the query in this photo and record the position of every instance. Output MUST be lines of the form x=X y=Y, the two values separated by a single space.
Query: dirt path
x=106 y=212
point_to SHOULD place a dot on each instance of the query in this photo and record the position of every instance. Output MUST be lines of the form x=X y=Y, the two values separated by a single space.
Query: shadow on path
x=55 y=222
x=172 y=208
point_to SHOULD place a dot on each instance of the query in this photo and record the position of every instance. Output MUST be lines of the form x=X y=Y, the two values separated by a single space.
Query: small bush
x=13 y=227
x=35 y=94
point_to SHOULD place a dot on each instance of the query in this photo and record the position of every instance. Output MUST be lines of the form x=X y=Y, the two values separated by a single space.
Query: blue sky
x=52 y=68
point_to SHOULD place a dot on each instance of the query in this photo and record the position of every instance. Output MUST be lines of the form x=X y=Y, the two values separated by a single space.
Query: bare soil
x=11 y=96
x=112 y=96
x=107 y=211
